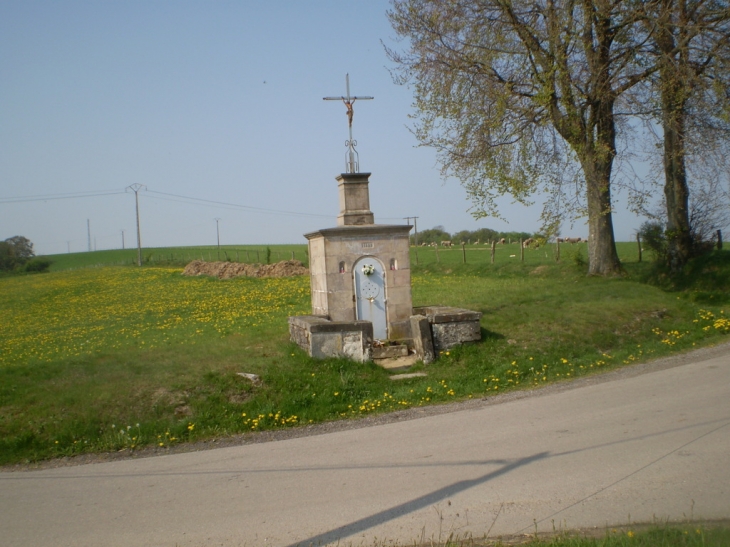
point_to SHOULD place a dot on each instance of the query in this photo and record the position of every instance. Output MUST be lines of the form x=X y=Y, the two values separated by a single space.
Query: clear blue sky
x=219 y=101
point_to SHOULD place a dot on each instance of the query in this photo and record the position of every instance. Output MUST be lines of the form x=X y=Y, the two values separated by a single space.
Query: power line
x=49 y=197
x=167 y=197
x=237 y=205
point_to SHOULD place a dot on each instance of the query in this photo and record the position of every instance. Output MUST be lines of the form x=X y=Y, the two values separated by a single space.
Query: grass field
x=178 y=256
x=687 y=535
x=119 y=357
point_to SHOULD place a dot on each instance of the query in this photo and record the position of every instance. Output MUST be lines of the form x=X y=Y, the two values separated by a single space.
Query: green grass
x=688 y=535
x=178 y=256
x=119 y=357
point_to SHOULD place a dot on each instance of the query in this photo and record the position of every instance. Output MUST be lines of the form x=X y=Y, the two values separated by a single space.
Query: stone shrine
x=361 y=270
x=361 y=282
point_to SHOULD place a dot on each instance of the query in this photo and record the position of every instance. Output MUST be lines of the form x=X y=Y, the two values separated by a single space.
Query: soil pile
x=228 y=270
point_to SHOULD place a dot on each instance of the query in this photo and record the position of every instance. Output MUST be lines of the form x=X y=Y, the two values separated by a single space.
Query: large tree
x=510 y=92
x=690 y=45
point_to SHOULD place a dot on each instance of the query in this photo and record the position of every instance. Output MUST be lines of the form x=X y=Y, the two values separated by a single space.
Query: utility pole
x=415 y=228
x=218 y=233
x=88 y=232
x=122 y=238
x=136 y=188
x=415 y=236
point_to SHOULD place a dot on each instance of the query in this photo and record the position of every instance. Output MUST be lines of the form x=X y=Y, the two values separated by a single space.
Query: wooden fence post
x=557 y=243
x=437 y=253
x=719 y=240
x=522 y=251
x=638 y=242
x=494 y=248
x=463 y=251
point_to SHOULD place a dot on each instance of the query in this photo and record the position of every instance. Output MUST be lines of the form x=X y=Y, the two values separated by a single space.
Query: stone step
x=407 y=376
x=390 y=352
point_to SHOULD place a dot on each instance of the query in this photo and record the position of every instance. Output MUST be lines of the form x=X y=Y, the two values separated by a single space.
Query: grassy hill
x=116 y=357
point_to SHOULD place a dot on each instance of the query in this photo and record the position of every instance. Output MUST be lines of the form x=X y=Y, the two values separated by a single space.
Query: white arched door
x=370 y=295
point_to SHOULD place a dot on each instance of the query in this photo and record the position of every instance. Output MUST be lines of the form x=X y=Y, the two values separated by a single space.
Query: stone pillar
x=354 y=200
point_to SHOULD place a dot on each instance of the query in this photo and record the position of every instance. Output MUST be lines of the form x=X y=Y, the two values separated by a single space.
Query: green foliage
x=654 y=238
x=575 y=255
x=15 y=252
x=38 y=265
x=436 y=234
x=482 y=235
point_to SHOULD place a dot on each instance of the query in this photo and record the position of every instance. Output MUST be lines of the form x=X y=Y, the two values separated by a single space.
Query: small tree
x=653 y=236
x=15 y=252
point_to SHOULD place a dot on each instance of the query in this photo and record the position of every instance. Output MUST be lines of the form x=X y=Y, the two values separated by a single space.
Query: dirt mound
x=228 y=270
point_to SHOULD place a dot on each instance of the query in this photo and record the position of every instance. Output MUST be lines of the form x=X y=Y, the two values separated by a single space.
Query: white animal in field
x=446 y=243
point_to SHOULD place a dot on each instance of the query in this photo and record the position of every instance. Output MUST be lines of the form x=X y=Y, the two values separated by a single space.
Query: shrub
x=38 y=265
x=655 y=239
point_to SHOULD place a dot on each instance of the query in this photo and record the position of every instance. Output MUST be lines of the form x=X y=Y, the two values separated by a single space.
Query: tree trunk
x=674 y=91
x=602 y=255
x=676 y=192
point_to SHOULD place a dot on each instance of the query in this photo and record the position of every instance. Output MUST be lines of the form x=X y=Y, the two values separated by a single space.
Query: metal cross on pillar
x=352 y=165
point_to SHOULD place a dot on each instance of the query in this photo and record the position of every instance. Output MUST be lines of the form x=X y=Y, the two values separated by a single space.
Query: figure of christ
x=350 y=112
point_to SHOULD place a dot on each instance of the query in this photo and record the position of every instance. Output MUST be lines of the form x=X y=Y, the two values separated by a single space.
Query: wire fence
x=244 y=256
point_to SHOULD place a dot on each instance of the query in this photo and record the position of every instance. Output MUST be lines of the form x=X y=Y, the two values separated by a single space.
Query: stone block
x=390 y=352
x=322 y=338
x=448 y=335
x=422 y=339
x=447 y=314
x=451 y=326
x=399 y=329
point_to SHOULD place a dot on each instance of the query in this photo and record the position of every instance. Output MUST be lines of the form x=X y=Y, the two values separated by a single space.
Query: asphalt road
x=652 y=444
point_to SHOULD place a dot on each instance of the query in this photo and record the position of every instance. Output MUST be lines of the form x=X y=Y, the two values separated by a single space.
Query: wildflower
x=630 y=534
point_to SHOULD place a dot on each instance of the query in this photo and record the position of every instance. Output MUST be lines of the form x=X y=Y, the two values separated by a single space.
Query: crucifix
x=352 y=165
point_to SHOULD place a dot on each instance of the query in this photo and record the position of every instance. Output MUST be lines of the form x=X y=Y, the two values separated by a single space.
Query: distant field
x=178 y=256
x=471 y=254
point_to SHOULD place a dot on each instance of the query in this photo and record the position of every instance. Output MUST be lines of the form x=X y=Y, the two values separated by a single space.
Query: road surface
x=624 y=448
